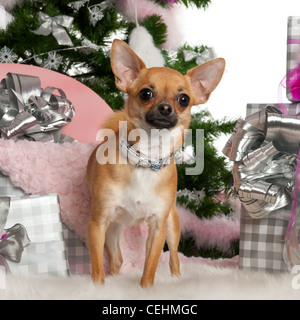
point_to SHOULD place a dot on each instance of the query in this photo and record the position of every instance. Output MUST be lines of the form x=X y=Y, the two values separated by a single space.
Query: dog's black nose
x=165 y=109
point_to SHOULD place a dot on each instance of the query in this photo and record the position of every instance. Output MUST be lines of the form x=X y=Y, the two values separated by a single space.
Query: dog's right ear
x=125 y=64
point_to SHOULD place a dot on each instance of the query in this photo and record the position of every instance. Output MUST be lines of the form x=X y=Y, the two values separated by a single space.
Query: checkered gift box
x=262 y=240
x=77 y=252
x=40 y=215
x=7 y=188
x=293 y=48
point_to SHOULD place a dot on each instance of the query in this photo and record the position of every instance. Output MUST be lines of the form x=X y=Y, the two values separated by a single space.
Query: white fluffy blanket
x=198 y=281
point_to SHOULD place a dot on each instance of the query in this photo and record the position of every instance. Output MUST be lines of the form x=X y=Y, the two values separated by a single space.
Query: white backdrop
x=251 y=36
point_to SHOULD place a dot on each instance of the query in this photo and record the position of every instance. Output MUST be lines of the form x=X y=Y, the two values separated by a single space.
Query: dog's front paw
x=146 y=282
x=98 y=278
x=176 y=274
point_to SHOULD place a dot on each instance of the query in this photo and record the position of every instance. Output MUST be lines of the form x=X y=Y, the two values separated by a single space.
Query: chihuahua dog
x=129 y=192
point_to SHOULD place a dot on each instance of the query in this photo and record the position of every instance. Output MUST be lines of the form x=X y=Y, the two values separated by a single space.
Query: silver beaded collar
x=140 y=160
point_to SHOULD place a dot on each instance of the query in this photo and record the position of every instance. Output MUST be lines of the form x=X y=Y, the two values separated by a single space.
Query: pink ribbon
x=293 y=41
x=293 y=77
x=293 y=82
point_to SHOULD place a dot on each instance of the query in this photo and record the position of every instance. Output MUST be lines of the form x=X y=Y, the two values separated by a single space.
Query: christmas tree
x=74 y=38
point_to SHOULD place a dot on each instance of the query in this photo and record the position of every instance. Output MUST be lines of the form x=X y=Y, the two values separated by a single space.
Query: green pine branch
x=157 y=28
x=216 y=177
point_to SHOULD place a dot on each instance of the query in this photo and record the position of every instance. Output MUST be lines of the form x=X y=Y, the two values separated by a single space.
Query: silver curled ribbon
x=28 y=111
x=206 y=55
x=264 y=149
x=266 y=171
x=12 y=240
x=55 y=25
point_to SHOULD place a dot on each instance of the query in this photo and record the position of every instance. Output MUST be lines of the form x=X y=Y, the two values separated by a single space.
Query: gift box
x=32 y=240
x=77 y=253
x=262 y=242
x=7 y=188
x=293 y=60
x=265 y=157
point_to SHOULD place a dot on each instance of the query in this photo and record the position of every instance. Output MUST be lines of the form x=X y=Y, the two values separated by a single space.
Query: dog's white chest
x=138 y=200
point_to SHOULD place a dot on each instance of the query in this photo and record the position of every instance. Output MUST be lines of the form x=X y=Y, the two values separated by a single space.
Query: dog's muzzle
x=162 y=117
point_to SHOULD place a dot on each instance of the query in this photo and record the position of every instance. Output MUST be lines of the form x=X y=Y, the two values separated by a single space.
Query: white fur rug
x=198 y=281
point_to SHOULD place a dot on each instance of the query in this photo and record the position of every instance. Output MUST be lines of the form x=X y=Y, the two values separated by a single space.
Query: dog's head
x=161 y=98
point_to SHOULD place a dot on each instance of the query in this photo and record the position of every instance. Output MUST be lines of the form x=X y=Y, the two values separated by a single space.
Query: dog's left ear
x=125 y=64
x=205 y=78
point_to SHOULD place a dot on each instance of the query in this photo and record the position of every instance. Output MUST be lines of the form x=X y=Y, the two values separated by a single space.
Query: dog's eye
x=146 y=94
x=183 y=100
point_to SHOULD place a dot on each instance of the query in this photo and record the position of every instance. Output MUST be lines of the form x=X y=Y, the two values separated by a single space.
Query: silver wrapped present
x=77 y=252
x=32 y=237
x=264 y=148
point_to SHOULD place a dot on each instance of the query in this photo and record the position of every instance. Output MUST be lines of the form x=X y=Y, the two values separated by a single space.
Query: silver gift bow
x=264 y=149
x=26 y=110
x=13 y=240
x=206 y=55
x=55 y=26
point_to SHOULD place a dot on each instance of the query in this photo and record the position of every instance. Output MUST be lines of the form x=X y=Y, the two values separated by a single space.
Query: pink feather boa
x=40 y=168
